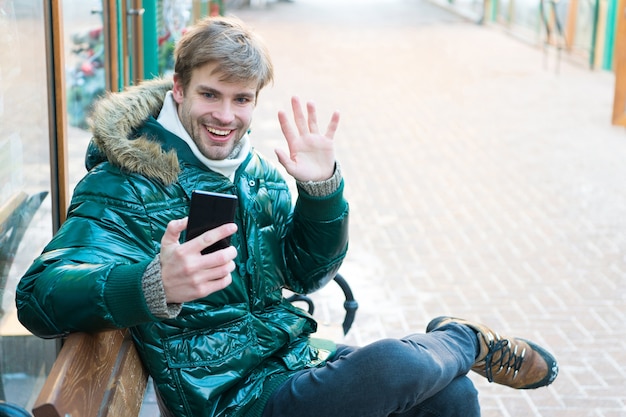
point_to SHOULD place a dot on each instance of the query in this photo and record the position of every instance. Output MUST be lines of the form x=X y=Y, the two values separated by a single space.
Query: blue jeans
x=419 y=375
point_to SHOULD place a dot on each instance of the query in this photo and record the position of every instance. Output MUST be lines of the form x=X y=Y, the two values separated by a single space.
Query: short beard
x=236 y=149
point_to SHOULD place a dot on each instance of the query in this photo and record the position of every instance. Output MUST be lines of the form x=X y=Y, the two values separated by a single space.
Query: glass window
x=84 y=58
x=173 y=18
x=25 y=213
x=84 y=74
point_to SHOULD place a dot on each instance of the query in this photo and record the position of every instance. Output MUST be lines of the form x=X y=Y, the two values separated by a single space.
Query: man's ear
x=178 y=90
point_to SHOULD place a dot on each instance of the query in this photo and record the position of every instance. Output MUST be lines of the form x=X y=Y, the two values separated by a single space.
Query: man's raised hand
x=311 y=154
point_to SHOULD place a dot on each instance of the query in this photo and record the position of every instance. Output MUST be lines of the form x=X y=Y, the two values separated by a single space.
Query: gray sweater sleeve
x=323 y=188
x=154 y=292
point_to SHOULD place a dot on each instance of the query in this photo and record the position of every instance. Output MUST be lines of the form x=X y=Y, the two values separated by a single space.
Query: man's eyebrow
x=206 y=89
x=246 y=95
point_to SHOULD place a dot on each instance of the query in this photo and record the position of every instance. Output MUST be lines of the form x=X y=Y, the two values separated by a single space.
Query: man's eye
x=242 y=100
x=208 y=95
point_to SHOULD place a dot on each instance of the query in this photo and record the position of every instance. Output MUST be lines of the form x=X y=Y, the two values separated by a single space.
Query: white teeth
x=218 y=132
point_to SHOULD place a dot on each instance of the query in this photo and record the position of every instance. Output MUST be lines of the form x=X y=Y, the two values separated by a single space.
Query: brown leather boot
x=515 y=362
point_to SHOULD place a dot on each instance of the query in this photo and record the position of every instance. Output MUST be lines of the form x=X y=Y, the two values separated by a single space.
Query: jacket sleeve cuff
x=133 y=294
x=123 y=295
x=322 y=209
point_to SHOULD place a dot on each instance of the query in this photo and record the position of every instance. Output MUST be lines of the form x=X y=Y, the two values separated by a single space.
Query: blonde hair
x=240 y=55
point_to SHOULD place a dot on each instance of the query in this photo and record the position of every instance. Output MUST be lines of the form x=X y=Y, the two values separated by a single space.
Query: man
x=214 y=330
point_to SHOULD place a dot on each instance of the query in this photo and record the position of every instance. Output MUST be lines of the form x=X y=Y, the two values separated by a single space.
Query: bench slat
x=97 y=375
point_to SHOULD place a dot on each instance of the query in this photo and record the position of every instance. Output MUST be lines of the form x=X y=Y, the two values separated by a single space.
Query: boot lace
x=508 y=359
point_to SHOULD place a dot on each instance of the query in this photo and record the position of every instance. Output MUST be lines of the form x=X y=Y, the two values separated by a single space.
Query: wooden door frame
x=124 y=61
x=57 y=111
x=110 y=23
x=134 y=19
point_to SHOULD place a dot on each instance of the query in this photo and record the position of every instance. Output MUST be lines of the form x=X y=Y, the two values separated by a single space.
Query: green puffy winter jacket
x=225 y=353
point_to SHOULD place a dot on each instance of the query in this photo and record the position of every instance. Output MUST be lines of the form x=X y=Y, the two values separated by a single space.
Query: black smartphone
x=207 y=211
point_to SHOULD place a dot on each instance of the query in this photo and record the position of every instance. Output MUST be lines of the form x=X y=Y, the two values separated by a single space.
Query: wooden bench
x=97 y=375
x=101 y=375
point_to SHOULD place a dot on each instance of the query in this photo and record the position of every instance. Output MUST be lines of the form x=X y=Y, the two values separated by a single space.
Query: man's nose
x=224 y=113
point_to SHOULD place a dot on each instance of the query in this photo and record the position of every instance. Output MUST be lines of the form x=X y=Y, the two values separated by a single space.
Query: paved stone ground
x=482 y=184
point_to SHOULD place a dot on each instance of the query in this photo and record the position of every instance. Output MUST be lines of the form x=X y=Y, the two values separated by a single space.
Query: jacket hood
x=114 y=121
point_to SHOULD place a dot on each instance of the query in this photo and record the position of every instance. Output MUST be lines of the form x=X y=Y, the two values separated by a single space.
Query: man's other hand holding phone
x=187 y=273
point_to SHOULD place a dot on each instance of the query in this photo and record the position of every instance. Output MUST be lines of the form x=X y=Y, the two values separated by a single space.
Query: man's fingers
x=298 y=116
x=332 y=125
x=208 y=238
x=284 y=159
x=286 y=128
x=217 y=284
x=173 y=231
x=312 y=113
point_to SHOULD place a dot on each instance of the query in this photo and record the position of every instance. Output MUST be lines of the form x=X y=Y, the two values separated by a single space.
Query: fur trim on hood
x=114 y=119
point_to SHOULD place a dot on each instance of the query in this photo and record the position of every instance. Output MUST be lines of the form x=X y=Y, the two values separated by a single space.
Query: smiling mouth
x=218 y=132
